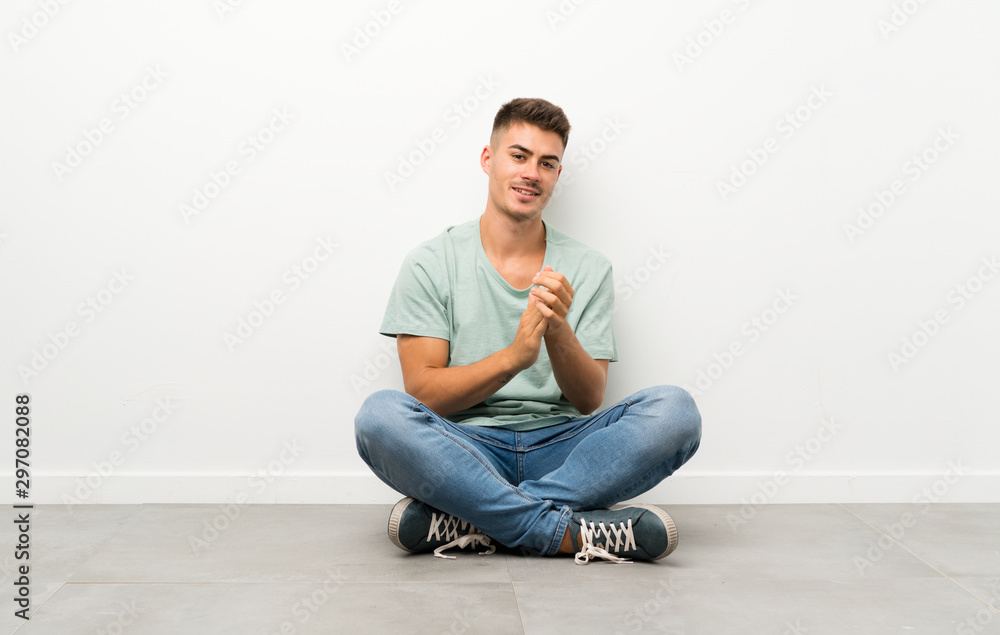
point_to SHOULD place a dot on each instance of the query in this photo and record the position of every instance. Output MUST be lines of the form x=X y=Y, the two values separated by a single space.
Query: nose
x=529 y=172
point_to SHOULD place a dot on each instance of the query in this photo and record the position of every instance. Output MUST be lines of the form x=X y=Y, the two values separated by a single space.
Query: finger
x=540 y=330
x=533 y=314
x=545 y=311
x=556 y=299
x=551 y=300
x=546 y=281
x=546 y=274
x=555 y=282
x=540 y=274
x=533 y=297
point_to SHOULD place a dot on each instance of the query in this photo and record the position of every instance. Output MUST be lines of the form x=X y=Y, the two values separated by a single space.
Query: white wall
x=272 y=419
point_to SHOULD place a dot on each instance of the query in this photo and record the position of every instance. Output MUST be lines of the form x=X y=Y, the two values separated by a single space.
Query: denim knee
x=381 y=411
x=677 y=407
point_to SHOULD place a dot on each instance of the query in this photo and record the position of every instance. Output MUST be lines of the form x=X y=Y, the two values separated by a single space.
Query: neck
x=506 y=237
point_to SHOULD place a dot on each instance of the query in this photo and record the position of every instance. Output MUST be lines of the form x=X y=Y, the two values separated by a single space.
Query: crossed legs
x=521 y=488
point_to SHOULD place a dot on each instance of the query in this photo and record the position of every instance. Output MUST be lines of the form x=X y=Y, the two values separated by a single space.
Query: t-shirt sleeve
x=594 y=331
x=418 y=303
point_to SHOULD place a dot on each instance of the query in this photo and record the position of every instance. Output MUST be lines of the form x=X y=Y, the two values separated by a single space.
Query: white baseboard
x=948 y=486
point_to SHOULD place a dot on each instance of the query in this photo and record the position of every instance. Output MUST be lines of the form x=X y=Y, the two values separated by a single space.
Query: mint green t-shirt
x=447 y=288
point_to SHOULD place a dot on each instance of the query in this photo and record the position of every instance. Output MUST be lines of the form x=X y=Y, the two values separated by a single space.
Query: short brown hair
x=533 y=111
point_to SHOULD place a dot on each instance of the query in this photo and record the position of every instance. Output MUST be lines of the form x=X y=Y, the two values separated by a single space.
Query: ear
x=484 y=159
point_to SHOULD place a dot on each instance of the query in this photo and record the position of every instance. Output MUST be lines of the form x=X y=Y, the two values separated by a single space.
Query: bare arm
x=446 y=390
x=581 y=378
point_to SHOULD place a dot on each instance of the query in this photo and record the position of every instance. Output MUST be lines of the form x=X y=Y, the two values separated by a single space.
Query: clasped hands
x=548 y=303
x=552 y=295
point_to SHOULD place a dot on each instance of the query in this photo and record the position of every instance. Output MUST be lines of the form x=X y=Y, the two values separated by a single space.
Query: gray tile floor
x=283 y=569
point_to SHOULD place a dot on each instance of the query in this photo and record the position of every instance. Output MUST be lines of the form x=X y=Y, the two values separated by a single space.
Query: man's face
x=523 y=165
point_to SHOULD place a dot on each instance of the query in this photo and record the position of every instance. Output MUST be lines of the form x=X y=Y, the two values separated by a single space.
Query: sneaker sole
x=668 y=523
x=397 y=513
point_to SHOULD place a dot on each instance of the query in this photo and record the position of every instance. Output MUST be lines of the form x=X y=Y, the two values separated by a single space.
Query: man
x=503 y=327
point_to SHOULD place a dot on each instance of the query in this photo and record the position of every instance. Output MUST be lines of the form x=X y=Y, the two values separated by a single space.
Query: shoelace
x=617 y=536
x=446 y=527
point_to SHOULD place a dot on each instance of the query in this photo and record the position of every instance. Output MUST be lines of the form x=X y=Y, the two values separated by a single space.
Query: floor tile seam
x=905 y=548
x=463 y=583
x=780 y=579
x=517 y=602
x=975 y=595
x=514 y=583
x=40 y=606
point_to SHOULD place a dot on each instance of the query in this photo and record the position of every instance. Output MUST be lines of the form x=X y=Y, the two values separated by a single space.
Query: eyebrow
x=530 y=153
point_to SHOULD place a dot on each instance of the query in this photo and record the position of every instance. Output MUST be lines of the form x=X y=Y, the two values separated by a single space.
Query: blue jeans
x=521 y=488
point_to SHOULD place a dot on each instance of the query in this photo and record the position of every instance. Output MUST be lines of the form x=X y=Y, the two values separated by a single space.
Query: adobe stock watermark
x=368 y=32
x=247 y=150
x=372 y=367
x=975 y=624
x=424 y=146
x=796 y=459
x=788 y=125
x=957 y=298
x=122 y=107
x=292 y=279
x=308 y=605
x=223 y=8
x=795 y=628
x=8 y=570
x=229 y=513
x=659 y=597
x=42 y=356
x=712 y=29
x=751 y=330
x=562 y=12
x=894 y=532
x=464 y=620
x=131 y=440
x=34 y=23
x=914 y=169
x=125 y=616
x=899 y=16
x=579 y=159
x=626 y=286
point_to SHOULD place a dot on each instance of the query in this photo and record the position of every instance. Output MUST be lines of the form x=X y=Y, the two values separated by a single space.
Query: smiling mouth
x=526 y=193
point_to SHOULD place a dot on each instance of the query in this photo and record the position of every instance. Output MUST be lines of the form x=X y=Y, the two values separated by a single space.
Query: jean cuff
x=561 y=526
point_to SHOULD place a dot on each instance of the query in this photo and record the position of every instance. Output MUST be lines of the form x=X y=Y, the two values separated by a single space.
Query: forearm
x=456 y=388
x=581 y=378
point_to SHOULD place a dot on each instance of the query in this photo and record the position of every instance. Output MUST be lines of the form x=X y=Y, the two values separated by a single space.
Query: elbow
x=416 y=390
x=425 y=397
x=590 y=395
x=588 y=410
x=589 y=405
